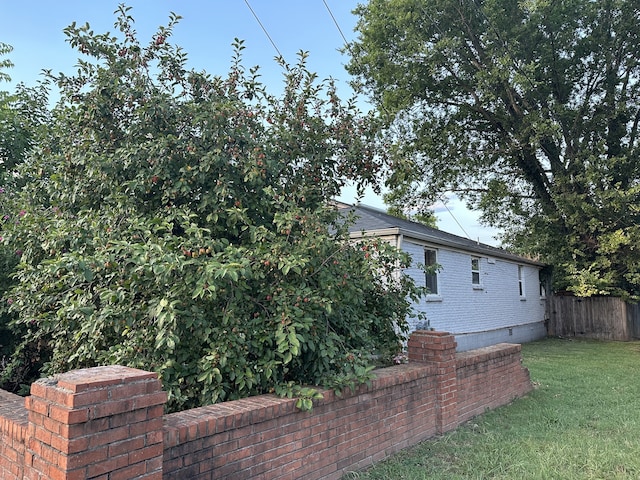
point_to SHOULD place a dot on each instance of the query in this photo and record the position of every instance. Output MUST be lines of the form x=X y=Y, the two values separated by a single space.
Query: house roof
x=372 y=221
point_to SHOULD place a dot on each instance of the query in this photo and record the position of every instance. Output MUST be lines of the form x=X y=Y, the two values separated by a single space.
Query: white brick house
x=482 y=294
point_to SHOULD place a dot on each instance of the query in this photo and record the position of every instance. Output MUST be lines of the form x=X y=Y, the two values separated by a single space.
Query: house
x=482 y=294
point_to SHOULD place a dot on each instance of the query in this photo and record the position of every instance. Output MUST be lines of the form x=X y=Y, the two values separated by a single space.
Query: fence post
x=439 y=349
x=95 y=423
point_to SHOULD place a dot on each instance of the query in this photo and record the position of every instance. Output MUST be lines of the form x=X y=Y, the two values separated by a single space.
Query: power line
x=264 y=29
x=455 y=219
x=336 y=23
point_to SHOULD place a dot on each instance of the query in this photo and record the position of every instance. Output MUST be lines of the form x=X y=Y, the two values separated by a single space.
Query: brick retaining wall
x=106 y=423
x=13 y=431
x=488 y=378
x=267 y=437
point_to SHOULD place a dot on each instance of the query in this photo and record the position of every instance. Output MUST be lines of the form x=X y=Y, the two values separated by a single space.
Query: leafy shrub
x=180 y=222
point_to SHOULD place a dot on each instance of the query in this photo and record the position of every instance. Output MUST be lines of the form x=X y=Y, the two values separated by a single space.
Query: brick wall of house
x=484 y=314
x=106 y=423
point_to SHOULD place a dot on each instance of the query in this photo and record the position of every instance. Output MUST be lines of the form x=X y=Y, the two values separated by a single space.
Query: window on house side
x=543 y=288
x=475 y=270
x=431 y=275
x=521 y=280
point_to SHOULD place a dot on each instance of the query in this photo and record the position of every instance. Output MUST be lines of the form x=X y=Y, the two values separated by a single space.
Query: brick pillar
x=95 y=423
x=439 y=349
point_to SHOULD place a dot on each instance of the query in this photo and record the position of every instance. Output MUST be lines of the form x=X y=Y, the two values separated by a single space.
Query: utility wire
x=455 y=219
x=346 y=43
x=382 y=105
x=264 y=29
x=385 y=109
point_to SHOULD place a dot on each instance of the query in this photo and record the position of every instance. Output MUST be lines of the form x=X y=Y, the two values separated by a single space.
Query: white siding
x=484 y=315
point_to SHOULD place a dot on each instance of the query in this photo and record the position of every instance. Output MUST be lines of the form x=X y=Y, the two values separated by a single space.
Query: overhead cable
x=346 y=43
x=264 y=29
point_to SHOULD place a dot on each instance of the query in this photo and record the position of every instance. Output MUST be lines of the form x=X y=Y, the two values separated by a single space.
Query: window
x=521 y=280
x=431 y=274
x=543 y=285
x=475 y=270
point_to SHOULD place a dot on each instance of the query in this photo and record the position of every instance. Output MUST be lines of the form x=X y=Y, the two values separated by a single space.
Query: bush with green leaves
x=24 y=120
x=181 y=223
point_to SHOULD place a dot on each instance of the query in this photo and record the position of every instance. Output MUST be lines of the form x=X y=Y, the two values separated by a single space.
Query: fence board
x=633 y=317
x=604 y=318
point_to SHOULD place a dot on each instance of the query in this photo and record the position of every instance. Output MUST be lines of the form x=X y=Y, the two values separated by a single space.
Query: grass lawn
x=582 y=421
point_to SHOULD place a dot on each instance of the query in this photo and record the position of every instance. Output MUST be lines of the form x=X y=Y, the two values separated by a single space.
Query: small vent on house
x=491 y=260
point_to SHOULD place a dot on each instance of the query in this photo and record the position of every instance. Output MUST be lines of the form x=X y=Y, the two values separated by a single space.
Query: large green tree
x=529 y=110
x=181 y=222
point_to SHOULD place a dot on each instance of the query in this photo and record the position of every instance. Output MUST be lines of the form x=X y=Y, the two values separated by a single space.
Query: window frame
x=521 y=282
x=476 y=279
x=433 y=275
x=542 y=286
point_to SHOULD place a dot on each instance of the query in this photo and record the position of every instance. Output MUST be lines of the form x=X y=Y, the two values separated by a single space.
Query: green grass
x=582 y=421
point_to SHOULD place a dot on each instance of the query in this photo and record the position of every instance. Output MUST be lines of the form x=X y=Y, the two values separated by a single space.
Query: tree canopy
x=527 y=110
x=181 y=222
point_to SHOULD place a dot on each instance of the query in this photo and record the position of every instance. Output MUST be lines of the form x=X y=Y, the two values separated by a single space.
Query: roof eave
x=436 y=241
x=381 y=232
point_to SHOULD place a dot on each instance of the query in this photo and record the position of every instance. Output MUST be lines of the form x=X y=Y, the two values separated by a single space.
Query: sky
x=206 y=31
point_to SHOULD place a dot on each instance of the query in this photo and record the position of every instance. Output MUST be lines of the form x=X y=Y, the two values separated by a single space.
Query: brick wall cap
x=433 y=333
x=484 y=354
x=99 y=377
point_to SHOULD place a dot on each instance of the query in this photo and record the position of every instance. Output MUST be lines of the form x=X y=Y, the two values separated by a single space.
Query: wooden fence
x=603 y=318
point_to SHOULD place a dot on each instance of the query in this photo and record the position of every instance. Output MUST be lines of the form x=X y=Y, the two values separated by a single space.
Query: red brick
x=83 y=459
x=128 y=418
x=154 y=464
x=56 y=474
x=38 y=389
x=126 y=446
x=129 y=472
x=37 y=405
x=52 y=425
x=42 y=435
x=107 y=466
x=67 y=416
x=151 y=400
x=107 y=409
x=41 y=465
x=154 y=437
x=90 y=397
x=127 y=390
x=146 y=453
x=142 y=428
x=106 y=437
x=155 y=411
x=68 y=446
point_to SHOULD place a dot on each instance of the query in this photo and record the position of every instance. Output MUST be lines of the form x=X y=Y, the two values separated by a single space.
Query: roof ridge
x=385 y=220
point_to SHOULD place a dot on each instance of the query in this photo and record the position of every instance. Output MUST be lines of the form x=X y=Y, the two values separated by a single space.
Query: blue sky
x=35 y=31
